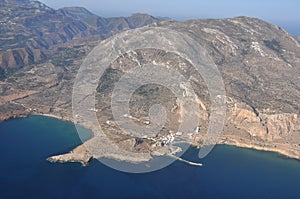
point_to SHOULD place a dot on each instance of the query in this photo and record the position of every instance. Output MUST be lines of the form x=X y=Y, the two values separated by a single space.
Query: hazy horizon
x=282 y=13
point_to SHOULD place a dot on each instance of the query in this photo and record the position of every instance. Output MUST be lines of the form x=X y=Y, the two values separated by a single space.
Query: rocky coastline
x=82 y=155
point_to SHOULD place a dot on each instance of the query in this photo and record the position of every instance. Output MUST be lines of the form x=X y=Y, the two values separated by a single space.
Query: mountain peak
x=76 y=12
x=141 y=15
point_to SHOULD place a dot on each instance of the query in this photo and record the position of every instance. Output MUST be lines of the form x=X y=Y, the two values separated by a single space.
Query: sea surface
x=228 y=172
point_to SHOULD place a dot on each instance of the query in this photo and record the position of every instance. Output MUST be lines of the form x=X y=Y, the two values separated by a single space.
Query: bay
x=228 y=172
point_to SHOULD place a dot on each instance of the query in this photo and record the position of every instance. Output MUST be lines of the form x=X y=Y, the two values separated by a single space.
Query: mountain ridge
x=29 y=37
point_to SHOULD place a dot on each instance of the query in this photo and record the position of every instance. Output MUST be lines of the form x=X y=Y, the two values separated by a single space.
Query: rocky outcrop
x=265 y=126
x=79 y=154
x=270 y=131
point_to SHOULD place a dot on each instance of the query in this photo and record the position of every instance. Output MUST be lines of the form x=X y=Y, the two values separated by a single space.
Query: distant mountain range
x=30 y=31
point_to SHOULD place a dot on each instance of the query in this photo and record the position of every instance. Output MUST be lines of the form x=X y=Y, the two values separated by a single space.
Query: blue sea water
x=228 y=172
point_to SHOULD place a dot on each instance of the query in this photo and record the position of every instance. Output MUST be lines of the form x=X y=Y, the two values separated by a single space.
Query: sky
x=285 y=13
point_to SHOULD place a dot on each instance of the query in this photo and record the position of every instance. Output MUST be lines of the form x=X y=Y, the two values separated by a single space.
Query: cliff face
x=277 y=132
x=267 y=127
x=259 y=63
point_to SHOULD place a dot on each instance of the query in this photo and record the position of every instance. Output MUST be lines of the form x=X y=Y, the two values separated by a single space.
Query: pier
x=185 y=161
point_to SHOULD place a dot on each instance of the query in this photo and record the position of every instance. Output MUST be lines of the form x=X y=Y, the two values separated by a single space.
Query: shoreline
x=263 y=149
x=52 y=116
x=221 y=142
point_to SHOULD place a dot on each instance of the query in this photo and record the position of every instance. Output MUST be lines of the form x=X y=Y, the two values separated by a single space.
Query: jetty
x=185 y=161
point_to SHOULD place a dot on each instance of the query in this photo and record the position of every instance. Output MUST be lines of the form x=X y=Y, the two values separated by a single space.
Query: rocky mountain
x=259 y=62
x=78 y=13
x=260 y=66
x=30 y=31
